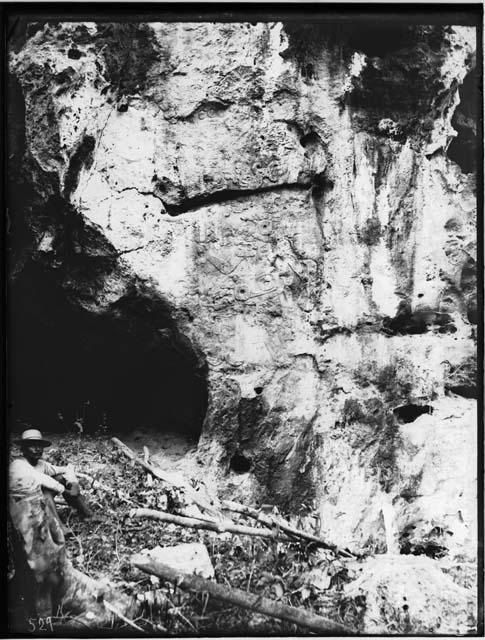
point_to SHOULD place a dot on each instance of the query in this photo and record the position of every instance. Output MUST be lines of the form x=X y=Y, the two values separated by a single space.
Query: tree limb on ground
x=219 y=521
x=253 y=602
x=272 y=521
x=170 y=479
x=194 y=523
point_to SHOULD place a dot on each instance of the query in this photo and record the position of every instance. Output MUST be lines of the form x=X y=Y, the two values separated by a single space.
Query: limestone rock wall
x=288 y=191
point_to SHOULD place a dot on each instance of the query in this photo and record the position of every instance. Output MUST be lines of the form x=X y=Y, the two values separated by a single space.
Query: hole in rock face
x=126 y=365
x=310 y=139
x=239 y=463
x=409 y=412
x=258 y=390
x=74 y=54
x=431 y=543
x=408 y=321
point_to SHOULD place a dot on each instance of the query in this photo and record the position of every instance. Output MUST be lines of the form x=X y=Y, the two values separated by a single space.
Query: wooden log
x=194 y=523
x=169 y=479
x=240 y=598
x=271 y=521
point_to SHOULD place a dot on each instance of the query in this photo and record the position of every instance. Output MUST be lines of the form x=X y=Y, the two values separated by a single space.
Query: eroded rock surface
x=288 y=196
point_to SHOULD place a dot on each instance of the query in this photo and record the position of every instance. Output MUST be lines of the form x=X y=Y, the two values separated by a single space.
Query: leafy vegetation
x=102 y=549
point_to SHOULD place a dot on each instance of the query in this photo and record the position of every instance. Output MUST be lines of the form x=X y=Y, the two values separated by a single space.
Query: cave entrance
x=124 y=367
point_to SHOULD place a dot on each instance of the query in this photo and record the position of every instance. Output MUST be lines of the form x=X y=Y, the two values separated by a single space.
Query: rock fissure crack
x=226 y=195
x=142 y=246
x=217 y=197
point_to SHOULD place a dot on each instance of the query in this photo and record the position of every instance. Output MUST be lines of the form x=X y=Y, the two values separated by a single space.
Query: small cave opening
x=417 y=321
x=463 y=148
x=433 y=543
x=240 y=463
x=409 y=412
x=310 y=139
x=119 y=369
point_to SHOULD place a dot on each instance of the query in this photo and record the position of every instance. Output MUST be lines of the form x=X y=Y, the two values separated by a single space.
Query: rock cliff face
x=257 y=232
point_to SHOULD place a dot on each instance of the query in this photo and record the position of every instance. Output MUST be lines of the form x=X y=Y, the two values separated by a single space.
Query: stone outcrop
x=275 y=207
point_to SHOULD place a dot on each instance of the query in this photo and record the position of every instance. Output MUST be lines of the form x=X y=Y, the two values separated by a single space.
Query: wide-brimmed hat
x=33 y=436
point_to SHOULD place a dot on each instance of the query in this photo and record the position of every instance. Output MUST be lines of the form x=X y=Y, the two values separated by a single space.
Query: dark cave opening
x=463 y=148
x=120 y=365
x=240 y=463
x=409 y=412
x=122 y=368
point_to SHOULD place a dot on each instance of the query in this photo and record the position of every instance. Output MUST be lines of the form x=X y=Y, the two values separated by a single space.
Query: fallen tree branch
x=272 y=521
x=240 y=598
x=169 y=479
x=194 y=523
x=219 y=523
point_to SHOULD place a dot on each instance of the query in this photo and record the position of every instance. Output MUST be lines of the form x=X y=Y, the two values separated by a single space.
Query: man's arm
x=24 y=478
x=47 y=482
x=53 y=470
x=49 y=469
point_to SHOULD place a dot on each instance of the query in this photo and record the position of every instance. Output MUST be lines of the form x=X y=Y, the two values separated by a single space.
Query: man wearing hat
x=29 y=474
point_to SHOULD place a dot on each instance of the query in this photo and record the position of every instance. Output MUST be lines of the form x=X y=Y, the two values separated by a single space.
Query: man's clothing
x=27 y=480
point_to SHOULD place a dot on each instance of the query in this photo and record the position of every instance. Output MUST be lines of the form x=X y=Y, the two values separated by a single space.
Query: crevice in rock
x=142 y=246
x=206 y=107
x=410 y=412
x=227 y=195
x=142 y=193
x=82 y=157
x=409 y=322
x=463 y=148
x=329 y=332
